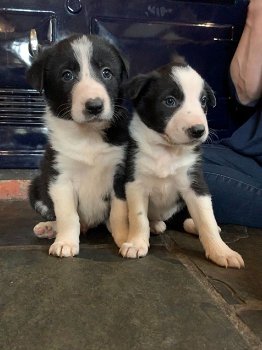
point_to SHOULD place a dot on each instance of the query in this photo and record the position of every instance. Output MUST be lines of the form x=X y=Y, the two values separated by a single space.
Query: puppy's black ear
x=125 y=66
x=119 y=53
x=35 y=74
x=178 y=60
x=124 y=63
x=211 y=99
x=136 y=85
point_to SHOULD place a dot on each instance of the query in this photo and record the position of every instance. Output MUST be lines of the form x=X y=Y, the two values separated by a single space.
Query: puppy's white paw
x=133 y=250
x=64 y=249
x=45 y=229
x=157 y=227
x=224 y=256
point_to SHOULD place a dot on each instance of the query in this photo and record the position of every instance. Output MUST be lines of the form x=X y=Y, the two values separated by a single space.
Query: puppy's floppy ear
x=119 y=53
x=134 y=87
x=126 y=66
x=35 y=74
x=124 y=63
x=178 y=60
x=211 y=99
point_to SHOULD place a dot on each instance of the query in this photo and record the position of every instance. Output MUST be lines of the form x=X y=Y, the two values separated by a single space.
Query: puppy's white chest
x=161 y=164
x=92 y=182
x=93 y=188
x=165 y=166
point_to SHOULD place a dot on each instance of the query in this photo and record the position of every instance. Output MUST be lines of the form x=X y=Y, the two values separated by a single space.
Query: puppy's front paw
x=64 y=249
x=224 y=256
x=133 y=250
x=45 y=229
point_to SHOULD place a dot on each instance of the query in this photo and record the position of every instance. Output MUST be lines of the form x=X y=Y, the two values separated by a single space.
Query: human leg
x=235 y=183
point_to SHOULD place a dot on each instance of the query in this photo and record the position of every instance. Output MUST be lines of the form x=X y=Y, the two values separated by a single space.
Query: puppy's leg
x=138 y=238
x=45 y=229
x=157 y=227
x=190 y=227
x=118 y=221
x=68 y=226
x=201 y=211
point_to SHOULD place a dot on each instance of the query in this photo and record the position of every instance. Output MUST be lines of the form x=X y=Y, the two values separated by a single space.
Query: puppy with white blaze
x=163 y=168
x=87 y=130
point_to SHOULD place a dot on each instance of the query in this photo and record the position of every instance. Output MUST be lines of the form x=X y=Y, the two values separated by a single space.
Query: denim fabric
x=235 y=183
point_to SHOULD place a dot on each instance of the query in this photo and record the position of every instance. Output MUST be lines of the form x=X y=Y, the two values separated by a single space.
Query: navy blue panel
x=14 y=38
x=206 y=32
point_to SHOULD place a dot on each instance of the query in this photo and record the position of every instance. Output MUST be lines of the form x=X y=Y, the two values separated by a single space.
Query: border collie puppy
x=163 y=170
x=87 y=129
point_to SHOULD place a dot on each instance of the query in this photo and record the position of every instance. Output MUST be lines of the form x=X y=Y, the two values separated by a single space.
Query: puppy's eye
x=106 y=73
x=67 y=75
x=170 y=101
x=203 y=101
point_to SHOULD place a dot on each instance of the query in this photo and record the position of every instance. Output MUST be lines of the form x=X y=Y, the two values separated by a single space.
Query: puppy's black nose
x=94 y=106
x=196 y=131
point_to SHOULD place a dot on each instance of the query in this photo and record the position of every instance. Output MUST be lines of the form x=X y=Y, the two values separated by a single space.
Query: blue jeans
x=235 y=184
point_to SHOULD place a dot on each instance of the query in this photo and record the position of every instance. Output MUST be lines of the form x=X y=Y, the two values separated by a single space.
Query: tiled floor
x=172 y=299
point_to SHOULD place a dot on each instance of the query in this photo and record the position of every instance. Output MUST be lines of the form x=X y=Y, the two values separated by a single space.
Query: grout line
x=23 y=247
x=46 y=246
x=82 y=246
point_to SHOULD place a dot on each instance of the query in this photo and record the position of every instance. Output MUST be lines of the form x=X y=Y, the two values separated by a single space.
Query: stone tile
x=100 y=301
x=17 y=222
x=98 y=253
x=241 y=288
x=254 y=320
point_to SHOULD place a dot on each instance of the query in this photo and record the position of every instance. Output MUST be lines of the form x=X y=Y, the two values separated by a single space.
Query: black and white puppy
x=81 y=77
x=163 y=171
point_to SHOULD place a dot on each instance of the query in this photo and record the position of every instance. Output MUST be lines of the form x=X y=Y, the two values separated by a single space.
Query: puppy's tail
x=41 y=206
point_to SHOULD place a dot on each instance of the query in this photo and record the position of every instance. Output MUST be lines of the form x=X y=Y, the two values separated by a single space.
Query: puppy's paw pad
x=132 y=250
x=157 y=227
x=226 y=257
x=45 y=230
x=64 y=249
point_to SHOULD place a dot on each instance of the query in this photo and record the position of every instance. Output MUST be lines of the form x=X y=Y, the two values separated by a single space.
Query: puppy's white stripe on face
x=190 y=81
x=89 y=85
x=192 y=86
x=190 y=112
x=83 y=50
